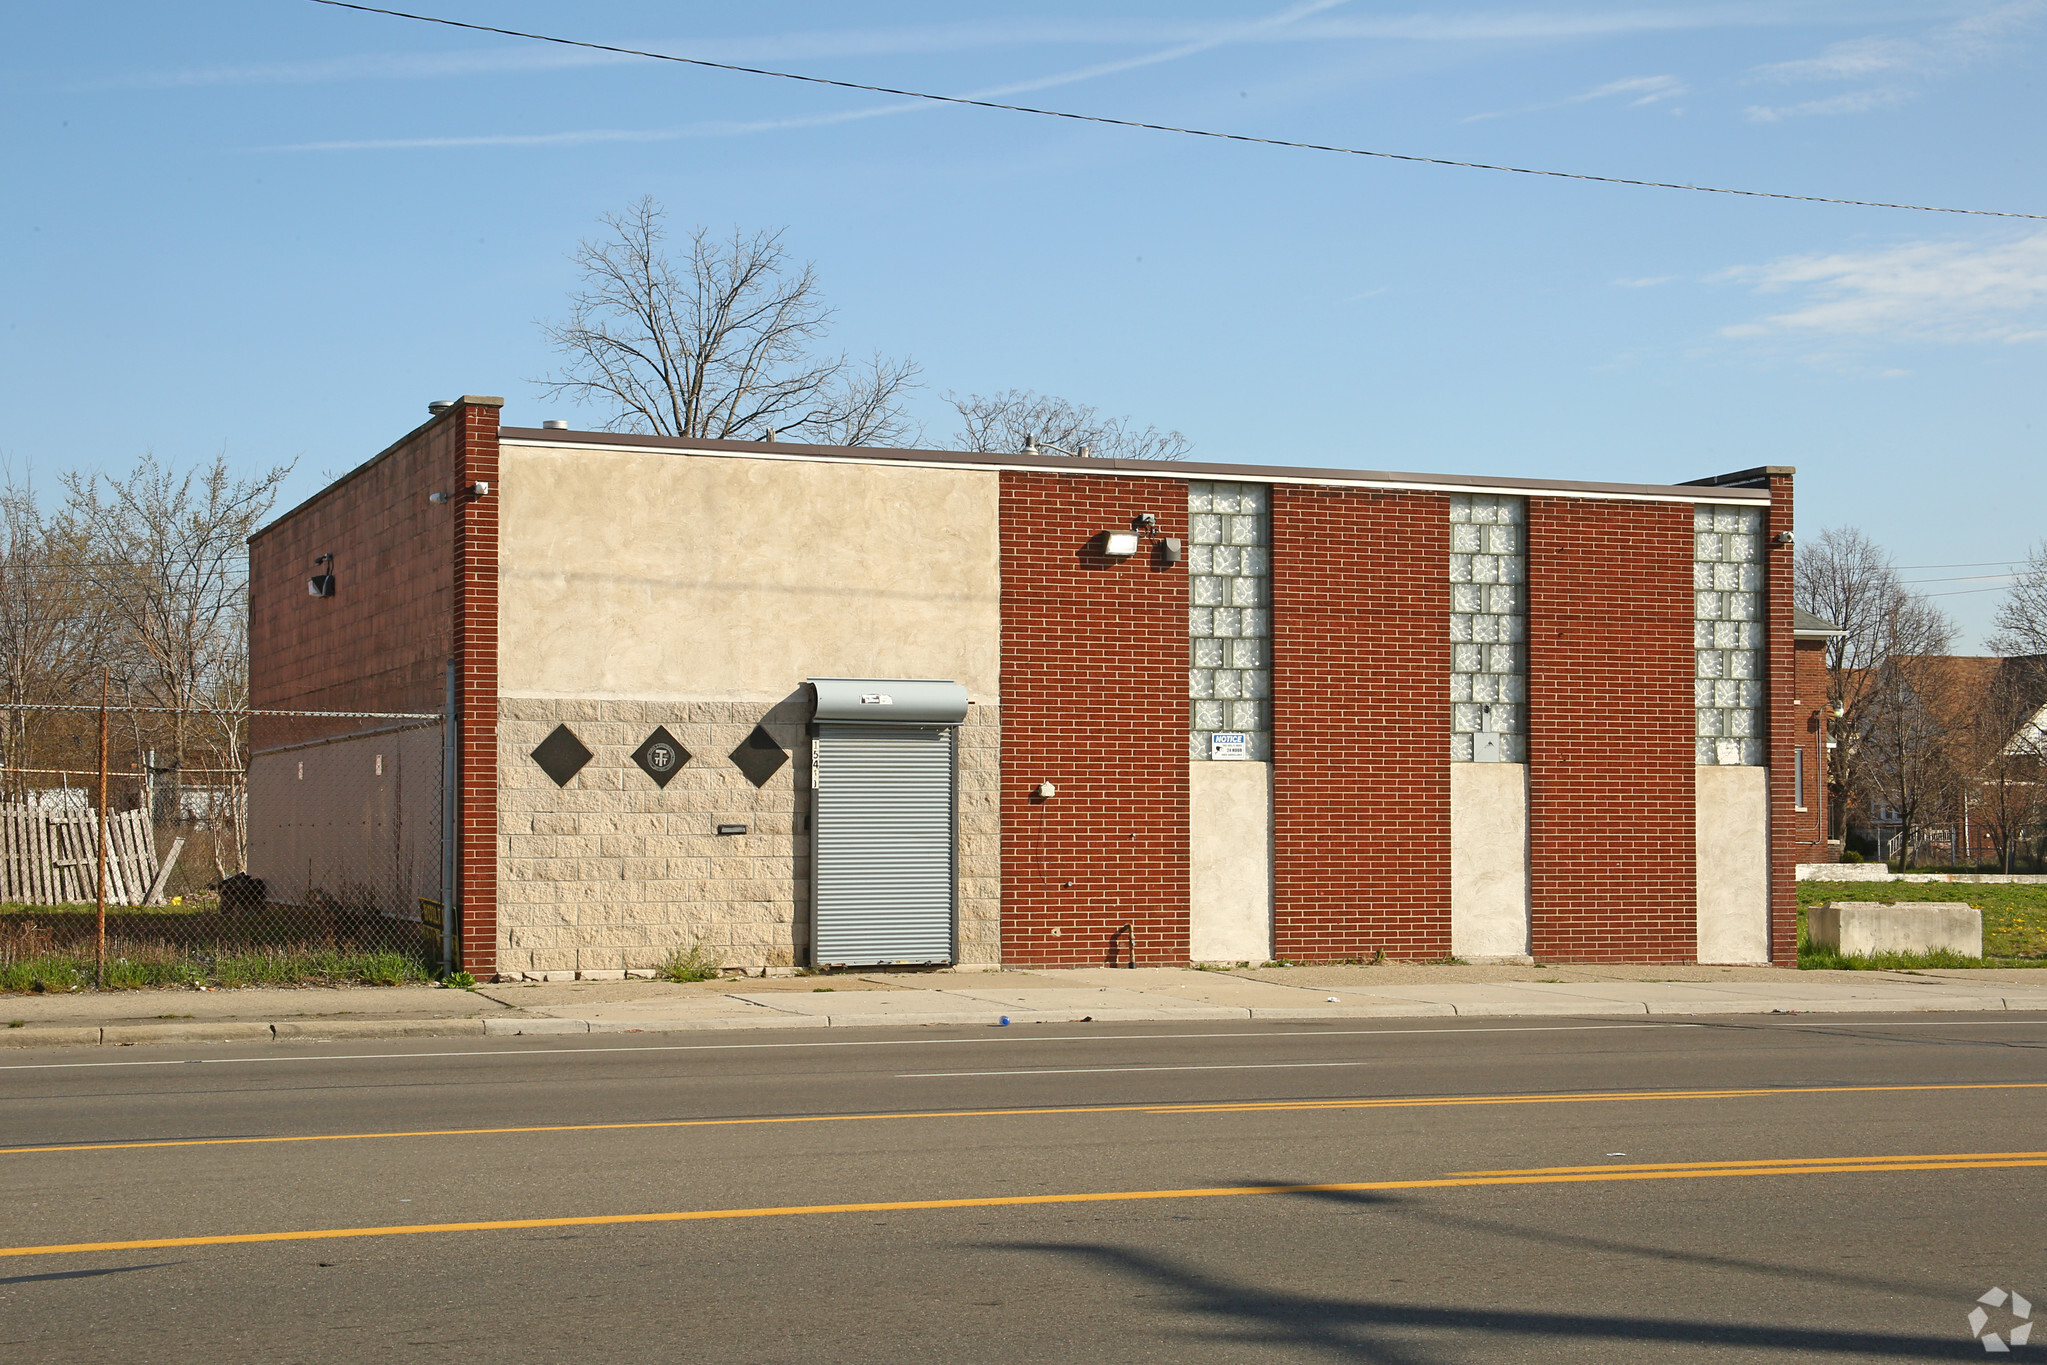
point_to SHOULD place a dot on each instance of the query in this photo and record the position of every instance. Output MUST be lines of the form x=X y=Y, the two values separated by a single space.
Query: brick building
x=803 y=704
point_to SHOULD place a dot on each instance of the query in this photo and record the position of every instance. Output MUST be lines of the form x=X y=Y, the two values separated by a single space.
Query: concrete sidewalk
x=1099 y=995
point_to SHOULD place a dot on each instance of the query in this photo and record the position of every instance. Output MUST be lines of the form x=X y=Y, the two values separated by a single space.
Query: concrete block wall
x=613 y=873
x=1094 y=700
x=1612 y=839
x=1361 y=723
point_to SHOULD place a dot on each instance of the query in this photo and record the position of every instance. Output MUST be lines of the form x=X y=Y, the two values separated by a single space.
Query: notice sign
x=1225 y=745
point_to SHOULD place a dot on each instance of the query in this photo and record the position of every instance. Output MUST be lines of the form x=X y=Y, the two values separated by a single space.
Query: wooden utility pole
x=100 y=971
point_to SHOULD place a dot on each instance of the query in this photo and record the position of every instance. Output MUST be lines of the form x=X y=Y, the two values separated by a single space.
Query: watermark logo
x=2017 y=1333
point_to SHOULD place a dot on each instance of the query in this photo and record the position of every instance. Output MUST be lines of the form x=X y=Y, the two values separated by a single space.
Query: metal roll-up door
x=882 y=876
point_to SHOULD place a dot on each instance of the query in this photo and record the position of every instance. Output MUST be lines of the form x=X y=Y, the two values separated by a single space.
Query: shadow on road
x=82 y=1274
x=1240 y=1313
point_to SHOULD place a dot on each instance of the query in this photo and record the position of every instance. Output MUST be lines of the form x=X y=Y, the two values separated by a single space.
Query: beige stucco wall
x=1489 y=861
x=647 y=576
x=1733 y=823
x=612 y=873
x=1229 y=873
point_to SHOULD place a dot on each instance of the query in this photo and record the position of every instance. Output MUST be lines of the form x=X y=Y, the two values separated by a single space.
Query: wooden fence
x=52 y=857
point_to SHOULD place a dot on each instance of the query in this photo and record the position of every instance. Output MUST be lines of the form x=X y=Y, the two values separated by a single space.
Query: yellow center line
x=1837 y=1166
x=1244 y=1107
x=1772 y=1162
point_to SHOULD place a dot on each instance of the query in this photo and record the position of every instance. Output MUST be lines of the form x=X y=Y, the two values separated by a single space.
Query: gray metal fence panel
x=883 y=877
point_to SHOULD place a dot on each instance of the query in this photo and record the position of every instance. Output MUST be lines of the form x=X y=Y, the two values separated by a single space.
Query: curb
x=238 y=1031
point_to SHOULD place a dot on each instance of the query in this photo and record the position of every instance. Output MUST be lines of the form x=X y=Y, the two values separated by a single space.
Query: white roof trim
x=1427 y=484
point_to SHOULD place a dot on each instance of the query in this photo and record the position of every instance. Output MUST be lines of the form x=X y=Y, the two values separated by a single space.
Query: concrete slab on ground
x=274 y=1003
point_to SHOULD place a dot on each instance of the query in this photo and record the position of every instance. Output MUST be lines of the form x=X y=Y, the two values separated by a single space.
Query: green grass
x=2014 y=924
x=56 y=972
x=694 y=963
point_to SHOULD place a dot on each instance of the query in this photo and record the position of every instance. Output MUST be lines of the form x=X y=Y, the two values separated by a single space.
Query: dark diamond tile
x=661 y=756
x=561 y=755
x=759 y=757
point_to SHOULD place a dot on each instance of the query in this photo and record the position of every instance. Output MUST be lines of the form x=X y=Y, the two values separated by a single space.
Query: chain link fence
x=237 y=847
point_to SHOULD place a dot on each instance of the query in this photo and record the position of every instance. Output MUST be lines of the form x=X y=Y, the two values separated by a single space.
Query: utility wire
x=1156 y=127
x=1960 y=578
x=1977 y=564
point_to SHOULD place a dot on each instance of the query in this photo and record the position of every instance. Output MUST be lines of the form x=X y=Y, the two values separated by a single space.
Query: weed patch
x=695 y=963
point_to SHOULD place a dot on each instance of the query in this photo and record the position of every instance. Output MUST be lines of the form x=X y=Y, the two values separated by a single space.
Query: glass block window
x=1229 y=623
x=1488 y=629
x=1727 y=633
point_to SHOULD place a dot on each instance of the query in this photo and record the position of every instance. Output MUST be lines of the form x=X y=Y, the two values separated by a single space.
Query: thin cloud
x=1647 y=282
x=1896 y=63
x=1645 y=90
x=1854 y=102
x=1942 y=292
x=726 y=128
x=969 y=36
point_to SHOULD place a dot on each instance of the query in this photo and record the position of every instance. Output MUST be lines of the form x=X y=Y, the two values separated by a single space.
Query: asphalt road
x=1764 y=1189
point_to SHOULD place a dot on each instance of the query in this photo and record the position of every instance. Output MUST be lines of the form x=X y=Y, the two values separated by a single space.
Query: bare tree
x=722 y=343
x=53 y=624
x=172 y=572
x=2007 y=756
x=1846 y=578
x=1005 y=422
x=2022 y=616
x=1906 y=720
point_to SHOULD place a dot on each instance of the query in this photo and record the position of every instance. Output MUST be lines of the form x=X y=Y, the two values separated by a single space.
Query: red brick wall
x=1094 y=701
x=1784 y=731
x=1361 y=723
x=415 y=586
x=476 y=631
x=1809 y=735
x=383 y=641
x=1611 y=714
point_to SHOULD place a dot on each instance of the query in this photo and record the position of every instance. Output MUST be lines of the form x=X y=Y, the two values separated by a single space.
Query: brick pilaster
x=1784 y=730
x=476 y=665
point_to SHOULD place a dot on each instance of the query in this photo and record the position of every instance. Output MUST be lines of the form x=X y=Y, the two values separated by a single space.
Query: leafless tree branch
x=1001 y=422
x=723 y=343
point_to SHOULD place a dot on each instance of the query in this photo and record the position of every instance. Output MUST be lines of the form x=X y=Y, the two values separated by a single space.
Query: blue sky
x=279 y=229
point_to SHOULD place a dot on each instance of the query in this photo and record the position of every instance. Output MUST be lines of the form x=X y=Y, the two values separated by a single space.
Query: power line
x=1155 y=127
x=1979 y=564
x=1961 y=578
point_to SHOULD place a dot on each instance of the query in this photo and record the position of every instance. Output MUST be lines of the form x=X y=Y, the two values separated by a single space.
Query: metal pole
x=100 y=969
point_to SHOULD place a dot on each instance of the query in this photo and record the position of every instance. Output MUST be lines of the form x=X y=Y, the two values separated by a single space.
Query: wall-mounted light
x=1044 y=791
x=1033 y=446
x=321 y=584
x=1119 y=544
x=479 y=489
x=1781 y=540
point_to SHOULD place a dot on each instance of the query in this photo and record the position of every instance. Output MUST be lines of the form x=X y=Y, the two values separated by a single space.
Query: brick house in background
x=841 y=706
x=1987 y=719
x=1816 y=833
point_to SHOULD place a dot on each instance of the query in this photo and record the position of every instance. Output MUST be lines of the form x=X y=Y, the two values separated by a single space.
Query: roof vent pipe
x=439 y=406
x=554 y=424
